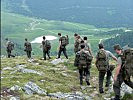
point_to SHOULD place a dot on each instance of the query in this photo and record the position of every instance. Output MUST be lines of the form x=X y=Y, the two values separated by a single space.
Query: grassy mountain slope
x=62 y=77
x=17 y=27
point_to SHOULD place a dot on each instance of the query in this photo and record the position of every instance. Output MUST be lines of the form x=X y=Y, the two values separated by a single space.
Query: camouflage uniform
x=9 y=49
x=76 y=45
x=28 y=48
x=120 y=80
x=45 y=50
x=82 y=68
x=102 y=73
x=62 y=49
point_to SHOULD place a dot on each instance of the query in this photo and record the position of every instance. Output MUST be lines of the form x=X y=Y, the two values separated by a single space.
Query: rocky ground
x=36 y=79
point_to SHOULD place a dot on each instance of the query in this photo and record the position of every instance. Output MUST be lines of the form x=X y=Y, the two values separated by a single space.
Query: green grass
x=13 y=26
x=55 y=81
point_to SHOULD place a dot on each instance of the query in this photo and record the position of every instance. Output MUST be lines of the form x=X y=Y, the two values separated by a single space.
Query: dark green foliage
x=105 y=13
x=125 y=38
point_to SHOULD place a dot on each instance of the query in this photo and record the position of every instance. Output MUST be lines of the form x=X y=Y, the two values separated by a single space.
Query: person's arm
x=111 y=55
x=59 y=43
x=89 y=49
x=114 y=58
x=90 y=52
x=118 y=68
x=117 y=71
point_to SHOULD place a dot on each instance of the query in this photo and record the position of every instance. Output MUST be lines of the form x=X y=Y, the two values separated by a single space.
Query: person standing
x=102 y=64
x=125 y=60
x=87 y=46
x=28 y=48
x=46 y=48
x=82 y=61
x=9 y=48
x=77 y=43
x=63 y=42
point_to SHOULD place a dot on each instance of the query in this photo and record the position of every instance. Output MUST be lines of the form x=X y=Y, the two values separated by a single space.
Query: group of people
x=84 y=57
x=124 y=69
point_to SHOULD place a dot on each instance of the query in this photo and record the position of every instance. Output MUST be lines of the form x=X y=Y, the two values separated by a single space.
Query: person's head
x=85 y=38
x=26 y=39
x=82 y=46
x=6 y=39
x=82 y=41
x=44 y=37
x=117 y=49
x=75 y=35
x=100 y=46
x=59 y=34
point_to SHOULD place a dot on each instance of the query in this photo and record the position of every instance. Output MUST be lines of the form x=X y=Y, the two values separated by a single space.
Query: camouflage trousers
x=9 y=53
x=84 y=71
x=101 y=79
x=28 y=54
x=46 y=53
x=118 y=82
x=64 y=52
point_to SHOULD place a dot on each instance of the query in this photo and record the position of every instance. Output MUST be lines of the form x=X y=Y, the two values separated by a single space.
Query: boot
x=88 y=83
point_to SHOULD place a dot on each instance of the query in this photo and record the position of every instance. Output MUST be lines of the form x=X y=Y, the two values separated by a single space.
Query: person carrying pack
x=82 y=61
x=124 y=69
x=77 y=43
x=63 y=42
x=46 y=48
x=9 y=48
x=28 y=48
x=102 y=64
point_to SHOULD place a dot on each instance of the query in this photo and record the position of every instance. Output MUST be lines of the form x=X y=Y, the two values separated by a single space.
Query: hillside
x=48 y=81
x=103 y=13
x=124 y=38
x=17 y=27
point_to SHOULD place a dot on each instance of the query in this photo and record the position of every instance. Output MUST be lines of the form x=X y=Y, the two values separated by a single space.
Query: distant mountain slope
x=123 y=39
x=101 y=13
x=17 y=27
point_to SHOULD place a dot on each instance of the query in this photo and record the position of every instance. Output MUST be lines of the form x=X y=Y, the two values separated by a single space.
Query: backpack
x=28 y=46
x=64 y=41
x=127 y=62
x=84 y=58
x=102 y=63
x=46 y=45
x=10 y=45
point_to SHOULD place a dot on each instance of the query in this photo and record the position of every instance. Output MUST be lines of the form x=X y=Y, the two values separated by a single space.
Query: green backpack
x=28 y=46
x=102 y=63
x=127 y=65
x=10 y=45
x=64 y=41
x=48 y=45
x=84 y=58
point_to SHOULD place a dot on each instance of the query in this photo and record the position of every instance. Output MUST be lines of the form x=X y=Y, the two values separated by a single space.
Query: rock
x=64 y=74
x=29 y=71
x=69 y=96
x=7 y=68
x=14 y=98
x=125 y=89
x=31 y=60
x=21 y=68
x=83 y=87
x=31 y=88
x=15 y=88
x=57 y=61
